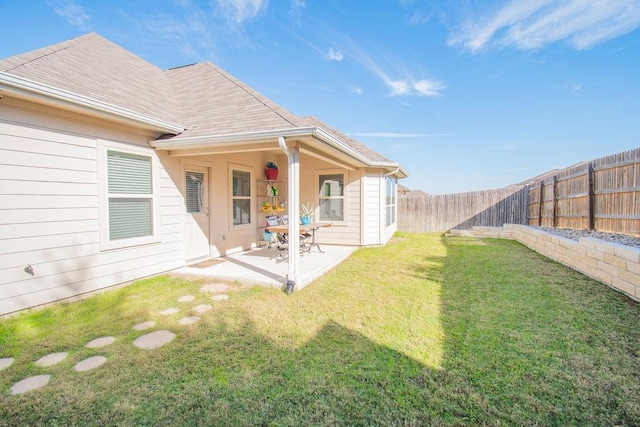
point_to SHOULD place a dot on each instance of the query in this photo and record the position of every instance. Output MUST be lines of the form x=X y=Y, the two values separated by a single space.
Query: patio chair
x=282 y=245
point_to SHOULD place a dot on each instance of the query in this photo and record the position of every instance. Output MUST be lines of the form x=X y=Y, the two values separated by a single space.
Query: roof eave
x=38 y=92
x=201 y=142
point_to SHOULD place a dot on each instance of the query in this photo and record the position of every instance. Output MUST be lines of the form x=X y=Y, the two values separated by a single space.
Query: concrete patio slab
x=255 y=266
x=202 y=308
x=186 y=298
x=170 y=311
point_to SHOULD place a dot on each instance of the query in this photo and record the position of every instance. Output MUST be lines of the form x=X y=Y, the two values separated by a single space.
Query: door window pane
x=194 y=192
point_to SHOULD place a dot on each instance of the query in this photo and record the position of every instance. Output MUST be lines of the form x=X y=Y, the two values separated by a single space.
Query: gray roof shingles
x=203 y=98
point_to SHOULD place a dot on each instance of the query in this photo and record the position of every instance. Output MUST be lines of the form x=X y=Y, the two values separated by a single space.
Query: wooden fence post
x=541 y=198
x=555 y=201
x=591 y=213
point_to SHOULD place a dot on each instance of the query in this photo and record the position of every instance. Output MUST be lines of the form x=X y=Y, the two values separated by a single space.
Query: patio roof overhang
x=312 y=141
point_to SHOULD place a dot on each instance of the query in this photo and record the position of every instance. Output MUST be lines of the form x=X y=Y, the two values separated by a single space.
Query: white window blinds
x=130 y=195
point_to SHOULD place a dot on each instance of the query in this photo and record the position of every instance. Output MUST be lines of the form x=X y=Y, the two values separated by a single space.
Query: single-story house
x=112 y=169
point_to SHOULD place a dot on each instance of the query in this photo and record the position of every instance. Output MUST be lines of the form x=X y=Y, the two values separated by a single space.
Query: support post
x=293 y=194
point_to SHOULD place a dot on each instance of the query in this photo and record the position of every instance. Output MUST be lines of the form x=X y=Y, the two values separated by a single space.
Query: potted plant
x=271 y=171
x=306 y=213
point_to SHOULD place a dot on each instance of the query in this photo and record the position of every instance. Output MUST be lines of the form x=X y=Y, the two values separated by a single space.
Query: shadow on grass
x=526 y=341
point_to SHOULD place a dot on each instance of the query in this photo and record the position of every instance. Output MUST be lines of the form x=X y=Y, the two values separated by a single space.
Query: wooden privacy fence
x=603 y=194
x=425 y=213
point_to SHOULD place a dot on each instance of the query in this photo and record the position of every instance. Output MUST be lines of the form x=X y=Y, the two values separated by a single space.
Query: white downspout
x=293 y=194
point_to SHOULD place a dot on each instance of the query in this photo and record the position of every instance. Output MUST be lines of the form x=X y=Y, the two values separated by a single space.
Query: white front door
x=197 y=223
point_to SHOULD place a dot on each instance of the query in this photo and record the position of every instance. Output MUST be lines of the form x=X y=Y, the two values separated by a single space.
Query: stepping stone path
x=154 y=339
x=189 y=320
x=144 y=325
x=214 y=288
x=51 y=359
x=5 y=362
x=89 y=363
x=30 y=383
x=147 y=341
x=202 y=308
x=100 y=342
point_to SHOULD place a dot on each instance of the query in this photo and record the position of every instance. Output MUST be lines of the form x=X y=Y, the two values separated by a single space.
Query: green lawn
x=425 y=331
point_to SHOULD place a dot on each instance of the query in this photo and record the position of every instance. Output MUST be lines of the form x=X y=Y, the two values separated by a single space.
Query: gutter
x=31 y=90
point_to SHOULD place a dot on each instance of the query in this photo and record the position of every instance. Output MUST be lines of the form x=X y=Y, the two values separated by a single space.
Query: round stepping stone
x=214 y=287
x=30 y=383
x=144 y=325
x=5 y=362
x=202 y=308
x=89 y=363
x=170 y=311
x=154 y=339
x=220 y=297
x=52 y=359
x=186 y=298
x=100 y=342
x=188 y=320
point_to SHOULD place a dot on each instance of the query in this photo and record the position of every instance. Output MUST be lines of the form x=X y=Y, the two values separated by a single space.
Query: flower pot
x=305 y=220
x=271 y=174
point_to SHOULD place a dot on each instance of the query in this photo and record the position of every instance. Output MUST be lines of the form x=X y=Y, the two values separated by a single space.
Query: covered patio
x=256 y=266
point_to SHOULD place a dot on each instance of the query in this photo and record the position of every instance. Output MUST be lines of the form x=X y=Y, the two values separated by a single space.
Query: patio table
x=304 y=229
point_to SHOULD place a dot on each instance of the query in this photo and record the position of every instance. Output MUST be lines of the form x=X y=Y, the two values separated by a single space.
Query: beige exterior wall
x=49 y=209
x=52 y=205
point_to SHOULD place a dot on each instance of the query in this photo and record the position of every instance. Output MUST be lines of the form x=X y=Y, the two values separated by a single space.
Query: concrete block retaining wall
x=615 y=265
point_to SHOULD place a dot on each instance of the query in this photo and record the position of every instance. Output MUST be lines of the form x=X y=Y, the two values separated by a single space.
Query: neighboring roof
x=198 y=101
x=96 y=68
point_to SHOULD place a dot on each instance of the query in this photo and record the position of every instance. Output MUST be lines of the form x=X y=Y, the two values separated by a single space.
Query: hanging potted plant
x=271 y=171
x=306 y=213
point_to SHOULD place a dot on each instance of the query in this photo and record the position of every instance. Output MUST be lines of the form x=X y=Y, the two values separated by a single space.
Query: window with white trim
x=130 y=195
x=331 y=198
x=391 y=201
x=240 y=197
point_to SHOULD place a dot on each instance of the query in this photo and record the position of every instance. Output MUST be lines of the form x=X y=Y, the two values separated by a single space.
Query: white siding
x=373 y=208
x=49 y=209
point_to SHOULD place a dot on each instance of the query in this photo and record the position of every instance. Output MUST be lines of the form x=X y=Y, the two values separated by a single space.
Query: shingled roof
x=201 y=98
x=96 y=68
x=213 y=102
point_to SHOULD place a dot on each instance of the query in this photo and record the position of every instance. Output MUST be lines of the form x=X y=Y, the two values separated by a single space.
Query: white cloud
x=419 y=18
x=72 y=13
x=430 y=88
x=333 y=55
x=357 y=89
x=238 y=11
x=535 y=23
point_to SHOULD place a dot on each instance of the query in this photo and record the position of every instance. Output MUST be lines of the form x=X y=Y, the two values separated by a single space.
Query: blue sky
x=466 y=95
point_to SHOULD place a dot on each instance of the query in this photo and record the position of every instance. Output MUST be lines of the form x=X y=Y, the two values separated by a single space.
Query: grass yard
x=425 y=331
